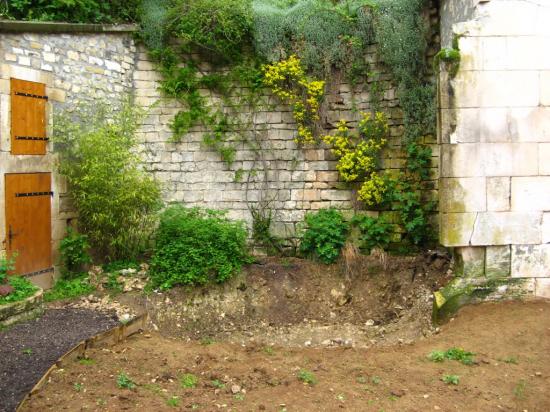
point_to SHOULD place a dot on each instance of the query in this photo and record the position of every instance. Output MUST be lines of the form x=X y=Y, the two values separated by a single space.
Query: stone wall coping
x=56 y=27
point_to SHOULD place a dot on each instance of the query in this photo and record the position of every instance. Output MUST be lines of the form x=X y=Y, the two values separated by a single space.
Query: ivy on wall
x=233 y=49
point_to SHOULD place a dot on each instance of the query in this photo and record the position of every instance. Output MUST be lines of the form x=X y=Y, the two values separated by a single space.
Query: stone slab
x=530 y=261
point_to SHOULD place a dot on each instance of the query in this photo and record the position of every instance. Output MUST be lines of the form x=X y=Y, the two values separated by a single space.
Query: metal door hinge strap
x=34 y=96
x=31 y=138
x=28 y=194
x=38 y=272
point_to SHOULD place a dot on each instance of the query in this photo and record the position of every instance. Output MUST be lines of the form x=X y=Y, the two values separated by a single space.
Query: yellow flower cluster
x=288 y=81
x=357 y=154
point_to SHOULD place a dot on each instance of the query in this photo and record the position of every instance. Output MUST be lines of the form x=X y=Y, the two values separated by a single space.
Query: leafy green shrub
x=69 y=288
x=374 y=232
x=325 y=235
x=77 y=11
x=221 y=27
x=123 y=381
x=307 y=377
x=115 y=199
x=195 y=246
x=6 y=265
x=74 y=252
x=22 y=289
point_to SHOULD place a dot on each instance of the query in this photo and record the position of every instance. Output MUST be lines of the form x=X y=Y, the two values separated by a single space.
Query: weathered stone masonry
x=495 y=140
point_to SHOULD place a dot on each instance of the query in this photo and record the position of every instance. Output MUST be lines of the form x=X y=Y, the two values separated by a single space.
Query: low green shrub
x=22 y=289
x=195 y=246
x=374 y=232
x=69 y=288
x=325 y=235
x=74 y=252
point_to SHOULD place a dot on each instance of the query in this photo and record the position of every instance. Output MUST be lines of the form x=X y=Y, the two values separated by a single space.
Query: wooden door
x=28 y=221
x=28 y=118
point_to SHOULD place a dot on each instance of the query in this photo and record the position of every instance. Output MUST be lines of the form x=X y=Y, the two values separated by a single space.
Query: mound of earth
x=292 y=302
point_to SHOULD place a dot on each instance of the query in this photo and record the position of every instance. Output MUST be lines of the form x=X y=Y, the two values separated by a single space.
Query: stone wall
x=495 y=141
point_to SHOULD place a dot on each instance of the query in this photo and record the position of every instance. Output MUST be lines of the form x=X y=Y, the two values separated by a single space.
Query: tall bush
x=115 y=199
x=195 y=246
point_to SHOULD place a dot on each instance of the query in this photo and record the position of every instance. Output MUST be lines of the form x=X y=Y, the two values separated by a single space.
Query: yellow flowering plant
x=288 y=81
x=358 y=153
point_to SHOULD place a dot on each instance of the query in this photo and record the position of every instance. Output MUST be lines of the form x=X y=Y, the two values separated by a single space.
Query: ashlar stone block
x=530 y=193
x=505 y=228
x=530 y=261
x=498 y=261
x=462 y=195
x=498 y=194
x=456 y=228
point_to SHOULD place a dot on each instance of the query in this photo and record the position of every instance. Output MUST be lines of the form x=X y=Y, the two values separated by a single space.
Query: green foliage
x=451 y=379
x=123 y=381
x=307 y=377
x=216 y=383
x=220 y=27
x=69 y=288
x=449 y=56
x=6 y=265
x=374 y=232
x=325 y=235
x=195 y=246
x=323 y=33
x=188 y=381
x=74 y=251
x=456 y=354
x=75 y=11
x=173 y=401
x=22 y=290
x=115 y=199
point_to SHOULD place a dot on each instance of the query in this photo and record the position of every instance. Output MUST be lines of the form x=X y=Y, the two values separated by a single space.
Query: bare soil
x=511 y=372
x=359 y=302
x=27 y=350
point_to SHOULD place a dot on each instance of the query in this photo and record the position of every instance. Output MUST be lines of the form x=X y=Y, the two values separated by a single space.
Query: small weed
x=153 y=388
x=86 y=361
x=519 y=389
x=361 y=379
x=124 y=382
x=436 y=356
x=195 y=406
x=340 y=397
x=457 y=354
x=207 y=341
x=188 y=381
x=78 y=386
x=510 y=359
x=393 y=398
x=239 y=396
x=450 y=379
x=307 y=377
x=174 y=401
x=216 y=383
x=101 y=402
x=27 y=351
x=268 y=350
x=376 y=380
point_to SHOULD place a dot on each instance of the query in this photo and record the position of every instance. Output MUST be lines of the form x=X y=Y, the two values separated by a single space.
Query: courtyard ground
x=510 y=372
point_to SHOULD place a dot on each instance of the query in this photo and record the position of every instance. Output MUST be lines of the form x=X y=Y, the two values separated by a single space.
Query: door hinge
x=31 y=138
x=29 y=194
x=34 y=96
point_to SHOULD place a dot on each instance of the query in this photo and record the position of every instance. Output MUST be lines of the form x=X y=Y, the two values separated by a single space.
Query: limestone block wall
x=495 y=140
x=75 y=67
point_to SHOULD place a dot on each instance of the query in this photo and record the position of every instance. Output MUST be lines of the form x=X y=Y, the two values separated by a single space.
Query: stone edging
x=109 y=338
x=54 y=27
x=21 y=310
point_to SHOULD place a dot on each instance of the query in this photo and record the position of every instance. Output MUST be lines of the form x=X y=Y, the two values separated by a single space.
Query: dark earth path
x=28 y=349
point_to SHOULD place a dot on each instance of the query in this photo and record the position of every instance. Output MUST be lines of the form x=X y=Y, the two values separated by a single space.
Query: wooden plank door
x=28 y=117
x=28 y=221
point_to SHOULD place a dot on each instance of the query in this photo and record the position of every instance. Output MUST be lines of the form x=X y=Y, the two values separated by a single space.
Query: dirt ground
x=27 y=350
x=511 y=372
